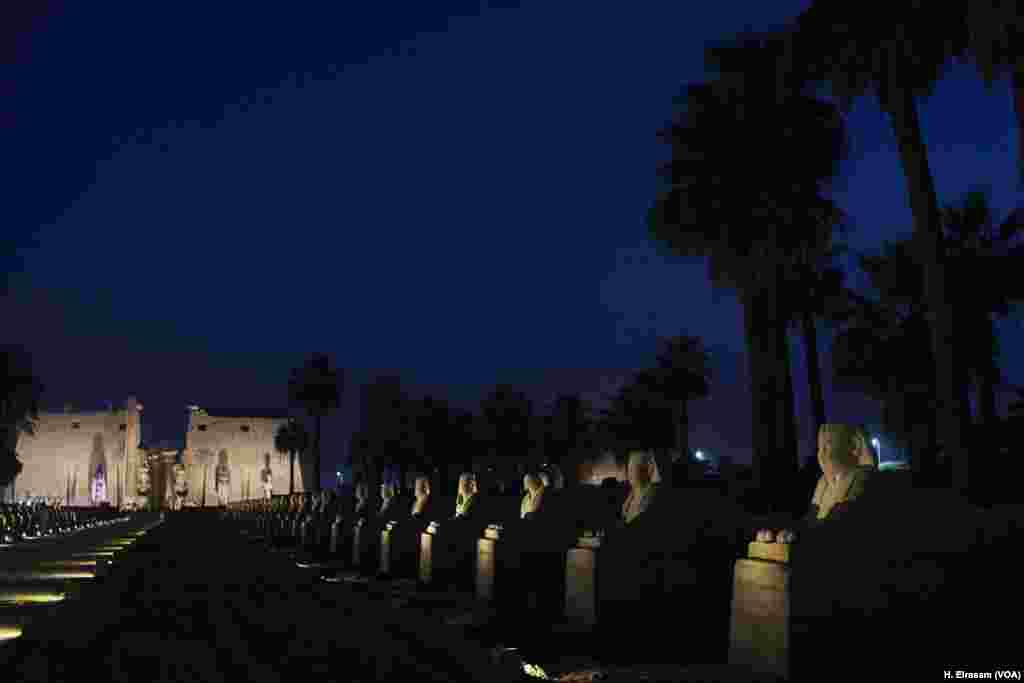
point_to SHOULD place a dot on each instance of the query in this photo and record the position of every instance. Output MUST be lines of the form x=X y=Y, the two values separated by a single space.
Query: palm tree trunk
x=951 y=398
x=987 y=381
x=291 y=472
x=316 y=454
x=773 y=417
x=789 y=458
x=682 y=433
x=810 y=334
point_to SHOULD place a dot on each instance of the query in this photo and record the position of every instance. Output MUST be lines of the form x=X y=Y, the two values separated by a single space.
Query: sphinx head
x=422 y=487
x=642 y=469
x=467 y=484
x=533 y=484
x=838 y=450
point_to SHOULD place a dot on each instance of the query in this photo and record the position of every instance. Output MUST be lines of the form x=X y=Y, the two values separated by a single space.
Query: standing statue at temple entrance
x=267 y=478
x=99 y=485
x=180 y=485
x=222 y=478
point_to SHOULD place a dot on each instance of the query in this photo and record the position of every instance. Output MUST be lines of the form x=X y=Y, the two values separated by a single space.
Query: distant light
x=700 y=455
x=875 y=442
x=338 y=473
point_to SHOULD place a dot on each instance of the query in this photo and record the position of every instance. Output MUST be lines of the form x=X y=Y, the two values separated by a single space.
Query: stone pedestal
x=492 y=553
x=448 y=554
x=400 y=548
x=362 y=544
x=337 y=536
x=428 y=551
x=581 y=580
x=760 y=633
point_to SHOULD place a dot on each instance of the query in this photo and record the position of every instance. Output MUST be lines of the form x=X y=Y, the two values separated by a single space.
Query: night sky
x=453 y=191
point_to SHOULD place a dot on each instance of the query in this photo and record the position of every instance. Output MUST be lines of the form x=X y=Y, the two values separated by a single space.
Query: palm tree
x=434 y=423
x=385 y=414
x=681 y=374
x=988 y=255
x=314 y=388
x=995 y=31
x=897 y=50
x=20 y=393
x=506 y=414
x=746 y=189
x=292 y=439
x=564 y=430
x=815 y=285
x=639 y=415
x=881 y=349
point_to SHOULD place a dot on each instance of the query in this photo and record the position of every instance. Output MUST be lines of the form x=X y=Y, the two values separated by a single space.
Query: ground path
x=192 y=600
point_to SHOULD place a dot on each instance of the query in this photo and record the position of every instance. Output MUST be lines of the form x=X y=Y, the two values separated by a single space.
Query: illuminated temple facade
x=97 y=457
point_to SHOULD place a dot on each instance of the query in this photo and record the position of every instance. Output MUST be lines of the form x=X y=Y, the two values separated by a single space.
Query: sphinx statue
x=643 y=476
x=866 y=455
x=389 y=498
x=421 y=501
x=362 y=495
x=533 y=485
x=846 y=460
x=469 y=493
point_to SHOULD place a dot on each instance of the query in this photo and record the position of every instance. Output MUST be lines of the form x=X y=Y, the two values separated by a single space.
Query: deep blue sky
x=453 y=190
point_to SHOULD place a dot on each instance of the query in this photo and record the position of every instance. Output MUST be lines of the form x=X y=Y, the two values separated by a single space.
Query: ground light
x=68 y=563
x=9 y=633
x=51 y=576
x=30 y=598
x=95 y=553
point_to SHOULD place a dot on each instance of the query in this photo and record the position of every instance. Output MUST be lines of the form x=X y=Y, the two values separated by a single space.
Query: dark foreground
x=193 y=601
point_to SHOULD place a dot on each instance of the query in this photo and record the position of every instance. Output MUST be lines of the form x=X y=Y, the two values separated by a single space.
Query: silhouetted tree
x=20 y=393
x=987 y=257
x=881 y=349
x=293 y=439
x=898 y=51
x=315 y=388
x=565 y=431
x=746 y=188
x=681 y=374
x=506 y=415
x=814 y=288
x=639 y=416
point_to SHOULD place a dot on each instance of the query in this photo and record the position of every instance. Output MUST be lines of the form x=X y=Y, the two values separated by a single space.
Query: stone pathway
x=194 y=601
x=38 y=577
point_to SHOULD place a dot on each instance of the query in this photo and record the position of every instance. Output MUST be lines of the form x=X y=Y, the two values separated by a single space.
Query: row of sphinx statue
x=845 y=456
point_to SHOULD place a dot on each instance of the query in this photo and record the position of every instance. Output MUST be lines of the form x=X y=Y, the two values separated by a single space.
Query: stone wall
x=61 y=459
x=243 y=445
